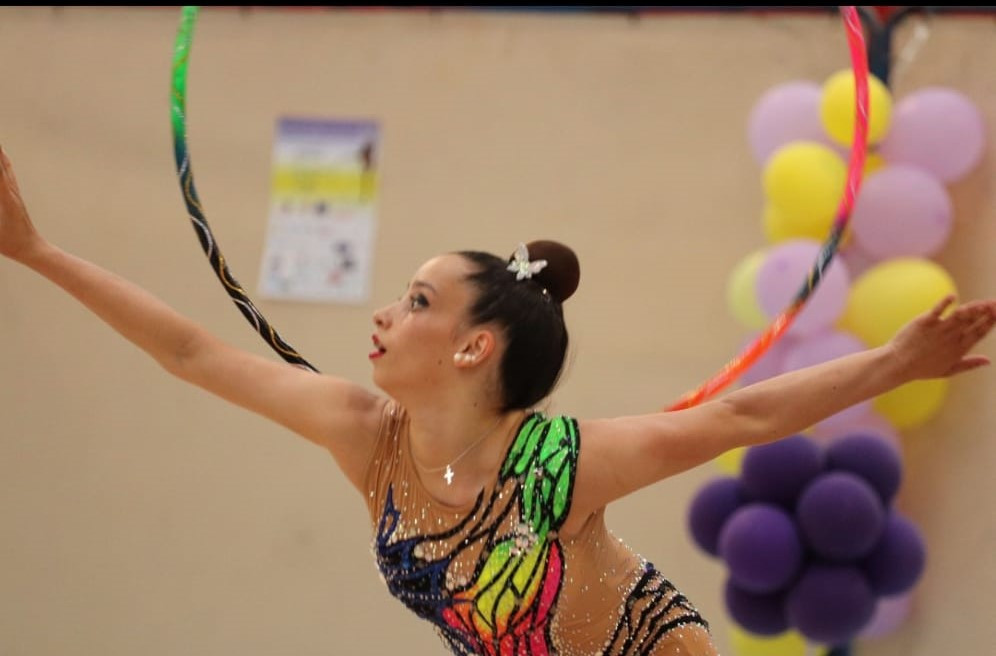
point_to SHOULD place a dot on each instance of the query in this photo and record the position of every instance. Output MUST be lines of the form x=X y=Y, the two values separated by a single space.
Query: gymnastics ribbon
x=178 y=104
x=733 y=369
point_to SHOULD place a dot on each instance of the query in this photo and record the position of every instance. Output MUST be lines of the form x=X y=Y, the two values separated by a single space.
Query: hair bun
x=562 y=273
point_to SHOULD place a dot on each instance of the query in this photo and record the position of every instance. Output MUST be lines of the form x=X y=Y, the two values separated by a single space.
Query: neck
x=464 y=436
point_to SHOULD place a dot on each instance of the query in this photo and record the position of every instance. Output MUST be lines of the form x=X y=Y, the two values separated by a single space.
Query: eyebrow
x=422 y=283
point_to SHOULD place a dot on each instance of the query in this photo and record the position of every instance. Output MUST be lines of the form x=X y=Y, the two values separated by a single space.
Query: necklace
x=449 y=466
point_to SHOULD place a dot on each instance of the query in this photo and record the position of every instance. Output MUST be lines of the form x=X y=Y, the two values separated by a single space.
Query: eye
x=418 y=301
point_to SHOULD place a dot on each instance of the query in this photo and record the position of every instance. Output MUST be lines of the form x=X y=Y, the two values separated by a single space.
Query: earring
x=463 y=357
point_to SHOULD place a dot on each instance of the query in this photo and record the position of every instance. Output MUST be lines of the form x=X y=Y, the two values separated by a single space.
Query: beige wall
x=142 y=517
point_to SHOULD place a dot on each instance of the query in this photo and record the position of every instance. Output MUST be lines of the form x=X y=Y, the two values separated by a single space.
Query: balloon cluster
x=903 y=216
x=810 y=537
x=796 y=566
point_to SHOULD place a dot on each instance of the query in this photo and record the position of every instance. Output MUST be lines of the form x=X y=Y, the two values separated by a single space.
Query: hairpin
x=521 y=265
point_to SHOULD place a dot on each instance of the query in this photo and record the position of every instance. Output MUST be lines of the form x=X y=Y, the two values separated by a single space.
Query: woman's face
x=417 y=335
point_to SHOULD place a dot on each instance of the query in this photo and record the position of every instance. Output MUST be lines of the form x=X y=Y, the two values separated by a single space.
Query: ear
x=478 y=346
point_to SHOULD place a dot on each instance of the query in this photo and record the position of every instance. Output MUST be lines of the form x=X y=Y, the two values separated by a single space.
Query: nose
x=382 y=317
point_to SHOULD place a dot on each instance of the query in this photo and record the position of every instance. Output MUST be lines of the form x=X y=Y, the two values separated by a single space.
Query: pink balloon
x=890 y=614
x=784 y=271
x=822 y=347
x=788 y=112
x=938 y=129
x=902 y=211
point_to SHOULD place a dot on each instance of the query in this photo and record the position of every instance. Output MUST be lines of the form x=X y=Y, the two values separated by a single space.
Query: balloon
x=789 y=643
x=741 y=292
x=759 y=614
x=913 y=404
x=785 y=113
x=840 y=516
x=902 y=211
x=729 y=461
x=891 y=294
x=805 y=181
x=890 y=614
x=830 y=603
x=857 y=260
x=939 y=130
x=779 y=226
x=821 y=347
x=870 y=457
x=783 y=273
x=777 y=472
x=711 y=507
x=761 y=547
x=770 y=364
x=837 y=108
x=872 y=424
x=899 y=558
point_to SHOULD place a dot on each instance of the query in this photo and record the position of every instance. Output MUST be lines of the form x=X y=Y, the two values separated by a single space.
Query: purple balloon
x=870 y=457
x=758 y=614
x=785 y=270
x=830 y=604
x=711 y=507
x=890 y=614
x=840 y=516
x=821 y=347
x=899 y=558
x=761 y=547
x=937 y=129
x=902 y=211
x=777 y=472
x=785 y=113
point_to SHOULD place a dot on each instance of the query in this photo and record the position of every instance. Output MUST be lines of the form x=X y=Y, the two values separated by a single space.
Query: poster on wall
x=322 y=219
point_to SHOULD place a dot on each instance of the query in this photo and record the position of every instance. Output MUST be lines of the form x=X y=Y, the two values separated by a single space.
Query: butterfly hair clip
x=521 y=265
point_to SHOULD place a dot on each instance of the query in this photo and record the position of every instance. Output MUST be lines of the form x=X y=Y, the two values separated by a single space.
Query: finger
x=968 y=363
x=942 y=305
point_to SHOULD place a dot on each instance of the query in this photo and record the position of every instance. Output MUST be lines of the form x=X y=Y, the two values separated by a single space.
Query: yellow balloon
x=731 y=461
x=913 y=404
x=805 y=180
x=873 y=162
x=890 y=294
x=790 y=643
x=779 y=225
x=837 y=108
x=741 y=292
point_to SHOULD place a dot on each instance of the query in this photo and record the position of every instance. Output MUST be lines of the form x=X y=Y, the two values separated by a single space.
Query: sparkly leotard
x=494 y=577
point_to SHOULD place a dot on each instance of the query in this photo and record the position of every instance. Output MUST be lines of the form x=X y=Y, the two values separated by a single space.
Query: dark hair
x=530 y=313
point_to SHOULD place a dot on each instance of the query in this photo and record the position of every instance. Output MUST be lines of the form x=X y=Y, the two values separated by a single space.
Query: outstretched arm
x=333 y=413
x=623 y=454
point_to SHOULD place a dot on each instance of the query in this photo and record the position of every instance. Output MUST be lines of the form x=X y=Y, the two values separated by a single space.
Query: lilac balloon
x=857 y=260
x=761 y=547
x=785 y=113
x=777 y=472
x=830 y=604
x=821 y=347
x=871 y=458
x=871 y=424
x=937 y=129
x=902 y=211
x=711 y=507
x=840 y=516
x=899 y=558
x=783 y=273
x=890 y=614
x=759 y=614
x=770 y=364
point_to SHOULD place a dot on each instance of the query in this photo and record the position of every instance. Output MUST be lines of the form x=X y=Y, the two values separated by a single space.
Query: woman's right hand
x=18 y=237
